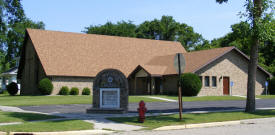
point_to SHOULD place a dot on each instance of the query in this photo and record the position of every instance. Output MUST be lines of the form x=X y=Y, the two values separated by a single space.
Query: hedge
x=190 y=84
x=12 y=88
x=45 y=86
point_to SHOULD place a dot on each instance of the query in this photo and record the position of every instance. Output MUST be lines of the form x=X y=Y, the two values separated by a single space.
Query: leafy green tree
x=164 y=29
x=16 y=36
x=240 y=37
x=124 y=29
x=256 y=14
x=13 y=23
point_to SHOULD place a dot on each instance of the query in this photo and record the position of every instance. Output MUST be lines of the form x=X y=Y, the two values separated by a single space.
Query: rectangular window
x=206 y=81
x=214 y=81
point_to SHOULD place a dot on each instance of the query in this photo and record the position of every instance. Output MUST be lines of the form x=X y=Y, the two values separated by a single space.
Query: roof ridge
x=231 y=47
x=76 y=33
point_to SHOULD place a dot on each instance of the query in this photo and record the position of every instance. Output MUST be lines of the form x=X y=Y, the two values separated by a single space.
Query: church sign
x=110 y=92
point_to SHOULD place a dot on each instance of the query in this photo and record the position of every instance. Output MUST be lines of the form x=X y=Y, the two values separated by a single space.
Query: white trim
x=110 y=89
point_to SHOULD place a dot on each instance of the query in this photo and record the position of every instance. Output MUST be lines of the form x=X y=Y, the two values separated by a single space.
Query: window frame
x=212 y=81
x=207 y=81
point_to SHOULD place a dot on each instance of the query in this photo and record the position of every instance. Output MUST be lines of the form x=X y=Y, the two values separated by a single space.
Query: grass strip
x=202 y=98
x=48 y=126
x=266 y=96
x=152 y=122
x=7 y=100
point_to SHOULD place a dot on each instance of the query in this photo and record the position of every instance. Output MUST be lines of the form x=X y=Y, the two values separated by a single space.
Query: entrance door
x=226 y=85
x=158 y=83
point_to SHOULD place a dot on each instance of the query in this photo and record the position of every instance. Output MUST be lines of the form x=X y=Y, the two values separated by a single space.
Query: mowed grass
x=23 y=117
x=48 y=126
x=7 y=100
x=152 y=122
x=43 y=100
x=203 y=98
x=266 y=96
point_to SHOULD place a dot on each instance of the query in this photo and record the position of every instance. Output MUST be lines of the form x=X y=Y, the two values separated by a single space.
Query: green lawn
x=166 y=120
x=43 y=100
x=203 y=98
x=48 y=126
x=266 y=96
x=23 y=117
x=54 y=100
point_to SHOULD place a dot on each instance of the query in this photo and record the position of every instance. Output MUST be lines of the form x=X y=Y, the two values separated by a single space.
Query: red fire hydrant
x=141 y=111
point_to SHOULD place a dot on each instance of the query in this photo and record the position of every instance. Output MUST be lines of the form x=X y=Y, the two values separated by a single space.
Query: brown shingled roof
x=198 y=59
x=194 y=61
x=75 y=54
x=164 y=65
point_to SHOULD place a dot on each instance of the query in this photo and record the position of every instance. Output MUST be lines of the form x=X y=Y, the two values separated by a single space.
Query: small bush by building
x=74 y=91
x=12 y=88
x=86 y=91
x=45 y=86
x=64 y=90
x=271 y=86
x=190 y=84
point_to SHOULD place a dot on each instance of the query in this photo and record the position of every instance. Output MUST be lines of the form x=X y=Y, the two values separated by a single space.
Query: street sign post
x=266 y=84
x=179 y=64
x=231 y=86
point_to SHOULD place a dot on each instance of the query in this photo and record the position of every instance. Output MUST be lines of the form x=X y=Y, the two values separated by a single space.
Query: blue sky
x=205 y=16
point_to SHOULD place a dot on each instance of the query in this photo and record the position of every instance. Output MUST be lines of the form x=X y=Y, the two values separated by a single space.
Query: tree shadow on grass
x=29 y=116
x=263 y=113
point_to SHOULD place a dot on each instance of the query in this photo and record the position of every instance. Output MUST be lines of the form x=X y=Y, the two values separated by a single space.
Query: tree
x=241 y=37
x=124 y=29
x=164 y=29
x=13 y=23
x=254 y=14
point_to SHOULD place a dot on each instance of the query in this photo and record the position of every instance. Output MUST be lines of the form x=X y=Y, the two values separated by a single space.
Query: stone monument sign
x=110 y=92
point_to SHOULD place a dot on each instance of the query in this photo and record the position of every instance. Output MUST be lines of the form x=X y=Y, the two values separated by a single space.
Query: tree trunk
x=252 y=67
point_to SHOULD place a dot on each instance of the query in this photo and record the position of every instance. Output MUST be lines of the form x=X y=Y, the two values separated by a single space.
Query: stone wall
x=110 y=79
x=79 y=82
x=234 y=66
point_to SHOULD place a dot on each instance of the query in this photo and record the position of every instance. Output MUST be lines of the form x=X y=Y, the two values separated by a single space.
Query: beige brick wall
x=234 y=66
x=79 y=82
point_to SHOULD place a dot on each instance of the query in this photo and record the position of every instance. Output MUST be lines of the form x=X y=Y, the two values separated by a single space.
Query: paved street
x=248 y=127
x=159 y=107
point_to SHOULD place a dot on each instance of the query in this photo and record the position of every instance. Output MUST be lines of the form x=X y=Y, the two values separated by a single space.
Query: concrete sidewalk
x=82 y=132
x=159 y=98
x=216 y=124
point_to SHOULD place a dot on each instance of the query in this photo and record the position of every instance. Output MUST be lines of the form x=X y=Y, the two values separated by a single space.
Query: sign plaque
x=110 y=92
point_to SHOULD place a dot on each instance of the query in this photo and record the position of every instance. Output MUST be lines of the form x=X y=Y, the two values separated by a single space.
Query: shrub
x=74 y=91
x=45 y=86
x=12 y=88
x=190 y=84
x=64 y=90
x=271 y=86
x=86 y=91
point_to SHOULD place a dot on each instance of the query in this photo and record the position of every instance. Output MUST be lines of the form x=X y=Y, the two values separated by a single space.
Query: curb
x=81 y=132
x=187 y=126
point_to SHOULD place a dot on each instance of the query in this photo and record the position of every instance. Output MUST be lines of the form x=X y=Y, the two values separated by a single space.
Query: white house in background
x=8 y=77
